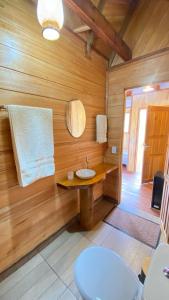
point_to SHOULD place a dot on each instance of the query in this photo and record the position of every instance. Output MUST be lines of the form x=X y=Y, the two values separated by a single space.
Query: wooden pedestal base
x=104 y=172
x=86 y=208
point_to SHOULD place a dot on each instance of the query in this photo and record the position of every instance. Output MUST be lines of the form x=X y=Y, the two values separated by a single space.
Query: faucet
x=87 y=161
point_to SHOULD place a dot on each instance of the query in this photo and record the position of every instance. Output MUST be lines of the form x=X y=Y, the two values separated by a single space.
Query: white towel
x=101 y=129
x=32 y=139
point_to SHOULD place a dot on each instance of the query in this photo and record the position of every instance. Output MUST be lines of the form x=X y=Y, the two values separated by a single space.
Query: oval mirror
x=76 y=118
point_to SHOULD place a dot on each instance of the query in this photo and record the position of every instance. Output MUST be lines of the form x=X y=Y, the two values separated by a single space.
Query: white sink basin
x=85 y=173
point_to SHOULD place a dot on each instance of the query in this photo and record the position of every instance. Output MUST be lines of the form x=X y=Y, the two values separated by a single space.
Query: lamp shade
x=50 y=16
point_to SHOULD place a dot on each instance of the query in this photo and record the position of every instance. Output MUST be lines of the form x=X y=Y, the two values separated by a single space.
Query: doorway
x=144 y=144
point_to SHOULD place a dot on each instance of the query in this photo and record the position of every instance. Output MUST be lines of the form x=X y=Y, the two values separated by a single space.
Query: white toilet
x=101 y=274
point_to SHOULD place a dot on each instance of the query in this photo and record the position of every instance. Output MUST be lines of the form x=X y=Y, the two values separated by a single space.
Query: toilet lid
x=101 y=274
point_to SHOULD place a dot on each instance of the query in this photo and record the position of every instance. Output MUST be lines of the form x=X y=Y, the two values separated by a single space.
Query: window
x=126 y=122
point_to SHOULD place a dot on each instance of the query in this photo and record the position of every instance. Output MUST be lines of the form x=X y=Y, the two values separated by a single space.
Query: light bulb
x=51 y=34
x=148 y=88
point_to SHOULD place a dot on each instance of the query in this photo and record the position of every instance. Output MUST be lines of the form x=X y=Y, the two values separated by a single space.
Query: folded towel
x=32 y=139
x=101 y=129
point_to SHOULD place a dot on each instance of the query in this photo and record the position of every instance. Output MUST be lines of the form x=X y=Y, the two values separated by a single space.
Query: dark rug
x=137 y=227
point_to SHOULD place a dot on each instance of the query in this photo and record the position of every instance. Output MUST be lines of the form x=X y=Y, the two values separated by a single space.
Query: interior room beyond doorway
x=146 y=117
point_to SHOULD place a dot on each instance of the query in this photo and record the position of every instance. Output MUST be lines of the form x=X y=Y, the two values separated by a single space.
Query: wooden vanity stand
x=104 y=172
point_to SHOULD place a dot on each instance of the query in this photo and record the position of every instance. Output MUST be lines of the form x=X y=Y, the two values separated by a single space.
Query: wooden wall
x=148 y=30
x=140 y=72
x=157 y=98
x=127 y=134
x=37 y=72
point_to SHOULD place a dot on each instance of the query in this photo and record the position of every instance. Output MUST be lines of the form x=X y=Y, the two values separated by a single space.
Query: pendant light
x=50 y=16
x=148 y=88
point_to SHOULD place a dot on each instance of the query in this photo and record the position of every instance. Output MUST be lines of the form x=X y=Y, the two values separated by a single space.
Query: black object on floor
x=157 y=190
x=142 y=277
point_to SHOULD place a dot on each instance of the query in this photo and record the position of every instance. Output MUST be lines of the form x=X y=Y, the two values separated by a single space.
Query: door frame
x=135 y=73
x=137 y=138
x=136 y=147
x=130 y=112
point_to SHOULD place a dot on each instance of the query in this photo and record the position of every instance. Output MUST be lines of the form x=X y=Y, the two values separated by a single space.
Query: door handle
x=146 y=146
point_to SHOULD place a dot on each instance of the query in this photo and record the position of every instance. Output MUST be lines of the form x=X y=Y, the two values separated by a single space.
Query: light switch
x=114 y=150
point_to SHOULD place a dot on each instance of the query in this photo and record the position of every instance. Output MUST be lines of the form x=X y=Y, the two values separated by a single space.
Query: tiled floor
x=49 y=274
x=136 y=195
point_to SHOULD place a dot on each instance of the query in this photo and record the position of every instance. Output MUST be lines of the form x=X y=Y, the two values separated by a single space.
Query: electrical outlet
x=114 y=150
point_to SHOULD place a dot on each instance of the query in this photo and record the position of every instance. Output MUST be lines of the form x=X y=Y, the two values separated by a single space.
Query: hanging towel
x=101 y=129
x=32 y=140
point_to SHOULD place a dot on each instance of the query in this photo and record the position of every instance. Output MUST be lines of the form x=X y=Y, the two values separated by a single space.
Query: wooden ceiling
x=117 y=14
x=114 y=11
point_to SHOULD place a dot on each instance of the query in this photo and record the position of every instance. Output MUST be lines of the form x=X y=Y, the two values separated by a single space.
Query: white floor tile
x=46 y=252
x=67 y=295
x=127 y=247
x=75 y=291
x=18 y=275
x=98 y=233
x=122 y=244
x=54 y=291
x=48 y=275
x=64 y=265
x=39 y=287
x=33 y=284
x=63 y=248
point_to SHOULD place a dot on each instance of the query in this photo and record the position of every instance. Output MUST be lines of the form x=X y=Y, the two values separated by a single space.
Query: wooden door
x=156 y=136
x=164 y=215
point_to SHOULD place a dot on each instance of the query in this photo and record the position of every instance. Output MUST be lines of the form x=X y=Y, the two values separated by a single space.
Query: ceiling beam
x=90 y=35
x=84 y=41
x=100 y=26
x=132 y=7
x=81 y=29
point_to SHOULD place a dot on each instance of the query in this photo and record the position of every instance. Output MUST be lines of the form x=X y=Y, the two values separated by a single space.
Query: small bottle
x=70 y=175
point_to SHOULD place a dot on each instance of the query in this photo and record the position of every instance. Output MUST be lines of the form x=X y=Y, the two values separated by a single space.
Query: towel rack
x=2 y=107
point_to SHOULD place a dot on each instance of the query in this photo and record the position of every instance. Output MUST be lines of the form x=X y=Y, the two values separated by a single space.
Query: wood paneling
x=141 y=101
x=40 y=73
x=126 y=137
x=140 y=72
x=114 y=12
x=149 y=28
x=99 y=25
